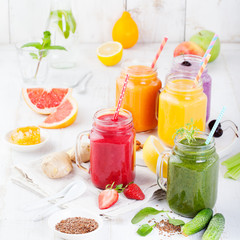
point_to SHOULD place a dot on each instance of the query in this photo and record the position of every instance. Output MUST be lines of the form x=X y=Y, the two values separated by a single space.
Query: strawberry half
x=107 y=198
x=133 y=191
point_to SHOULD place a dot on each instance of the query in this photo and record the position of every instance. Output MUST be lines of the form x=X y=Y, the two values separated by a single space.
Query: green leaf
x=66 y=31
x=175 y=222
x=34 y=55
x=144 y=213
x=71 y=21
x=145 y=229
x=36 y=45
x=44 y=53
x=119 y=188
x=55 y=47
x=46 y=39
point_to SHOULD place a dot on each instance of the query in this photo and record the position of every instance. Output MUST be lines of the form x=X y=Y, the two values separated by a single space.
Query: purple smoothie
x=191 y=63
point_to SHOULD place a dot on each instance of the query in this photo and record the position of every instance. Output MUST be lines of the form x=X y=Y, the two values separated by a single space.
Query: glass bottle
x=191 y=63
x=141 y=94
x=62 y=25
x=180 y=103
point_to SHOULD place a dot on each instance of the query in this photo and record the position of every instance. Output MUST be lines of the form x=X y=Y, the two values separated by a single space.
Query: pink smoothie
x=112 y=152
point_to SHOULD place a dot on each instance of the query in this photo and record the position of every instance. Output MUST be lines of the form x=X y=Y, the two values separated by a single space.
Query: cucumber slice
x=215 y=228
x=199 y=222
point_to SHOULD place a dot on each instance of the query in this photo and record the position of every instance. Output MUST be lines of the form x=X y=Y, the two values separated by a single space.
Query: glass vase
x=62 y=25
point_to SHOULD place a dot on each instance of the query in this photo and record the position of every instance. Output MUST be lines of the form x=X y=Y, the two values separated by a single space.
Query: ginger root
x=57 y=165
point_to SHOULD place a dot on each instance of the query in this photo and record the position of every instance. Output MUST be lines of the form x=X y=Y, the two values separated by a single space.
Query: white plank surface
x=28 y=19
x=218 y=16
x=4 y=26
x=178 y=19
x=101 y=93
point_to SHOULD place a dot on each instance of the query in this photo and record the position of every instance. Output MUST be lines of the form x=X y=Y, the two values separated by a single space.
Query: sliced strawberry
x=107 y=198
x=133 y=191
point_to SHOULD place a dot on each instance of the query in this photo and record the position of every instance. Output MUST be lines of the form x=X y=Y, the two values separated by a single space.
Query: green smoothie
x=192 y=177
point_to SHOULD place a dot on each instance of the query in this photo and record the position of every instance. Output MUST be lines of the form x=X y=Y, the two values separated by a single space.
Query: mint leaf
x=66 y=31
x=175 y=222
x=46 y=39
x=36 y=45
x=55 y=47
x=145 y=229
x=144 y=213
x=71 y=21
x=34 y=55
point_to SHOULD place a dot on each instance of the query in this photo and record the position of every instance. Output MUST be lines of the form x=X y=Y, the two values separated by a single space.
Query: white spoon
x=52 y=199
x=76 y=191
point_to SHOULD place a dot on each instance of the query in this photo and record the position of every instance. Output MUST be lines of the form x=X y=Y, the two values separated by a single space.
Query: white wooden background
x=178 y=19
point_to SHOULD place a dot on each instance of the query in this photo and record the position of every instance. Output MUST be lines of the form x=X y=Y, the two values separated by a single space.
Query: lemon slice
x=151 y=151
x=110 y=53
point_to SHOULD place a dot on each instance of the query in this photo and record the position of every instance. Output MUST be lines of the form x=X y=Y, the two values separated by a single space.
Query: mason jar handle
x=81 y=136
x=164 y=156
x=157 y=103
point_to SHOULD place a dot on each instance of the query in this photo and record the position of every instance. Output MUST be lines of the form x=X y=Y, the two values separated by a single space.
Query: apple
x=203 y=39
x=188 y=48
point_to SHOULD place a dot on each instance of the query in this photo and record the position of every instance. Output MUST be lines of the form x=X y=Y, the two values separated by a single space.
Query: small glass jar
x=180 y=102
x=62 y=25
x=192 y=177
x=33 y=67
x=112 y=148
x=191 y=63
x=141 y=95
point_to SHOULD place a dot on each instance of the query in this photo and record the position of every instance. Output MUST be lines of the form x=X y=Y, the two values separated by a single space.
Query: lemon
x=110 y=53
x=125 y=30
x=151 y=150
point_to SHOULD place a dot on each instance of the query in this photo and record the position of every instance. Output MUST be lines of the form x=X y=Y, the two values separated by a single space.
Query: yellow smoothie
x=179 y=103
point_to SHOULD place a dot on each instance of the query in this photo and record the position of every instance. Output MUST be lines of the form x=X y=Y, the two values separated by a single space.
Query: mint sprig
x=42 y=48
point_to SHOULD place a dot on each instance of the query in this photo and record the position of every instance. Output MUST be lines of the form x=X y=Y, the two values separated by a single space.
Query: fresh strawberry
x=133 y=191
x=107 y=197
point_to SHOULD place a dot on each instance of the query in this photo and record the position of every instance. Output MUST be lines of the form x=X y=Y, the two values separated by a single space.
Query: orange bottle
x=141 y=95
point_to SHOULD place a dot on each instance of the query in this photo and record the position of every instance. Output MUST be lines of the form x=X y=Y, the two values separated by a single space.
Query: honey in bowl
x=26 y=135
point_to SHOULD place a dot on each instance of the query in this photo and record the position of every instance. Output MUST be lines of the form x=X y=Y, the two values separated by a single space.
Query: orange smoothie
x=141 y=95
x=180 y=103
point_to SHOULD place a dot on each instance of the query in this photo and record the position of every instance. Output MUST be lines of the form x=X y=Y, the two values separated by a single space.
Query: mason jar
x=180 y=102
x=112 y=148
x=191 y=63
x=192 y=175
x=141 y=94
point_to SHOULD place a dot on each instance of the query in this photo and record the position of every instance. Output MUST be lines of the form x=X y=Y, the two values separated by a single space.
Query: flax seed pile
x=165 y=228
x=77 y=225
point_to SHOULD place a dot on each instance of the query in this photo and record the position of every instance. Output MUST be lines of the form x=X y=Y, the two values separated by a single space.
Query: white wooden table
x=15 y=224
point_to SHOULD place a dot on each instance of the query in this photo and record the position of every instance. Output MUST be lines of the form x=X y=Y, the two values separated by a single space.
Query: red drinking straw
x=115 y=117
x=159 y=51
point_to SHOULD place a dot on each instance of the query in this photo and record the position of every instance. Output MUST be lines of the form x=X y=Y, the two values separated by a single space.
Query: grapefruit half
x=43 y=100
x=63 y=116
